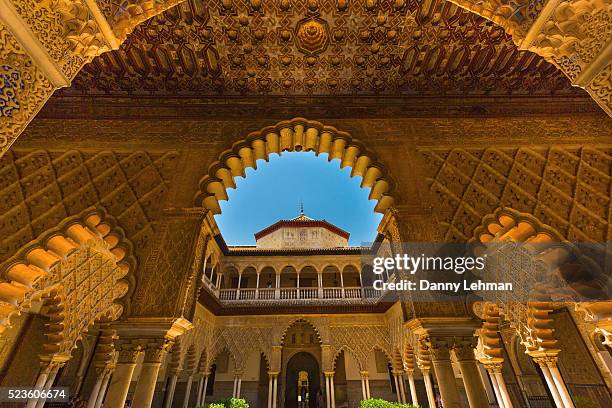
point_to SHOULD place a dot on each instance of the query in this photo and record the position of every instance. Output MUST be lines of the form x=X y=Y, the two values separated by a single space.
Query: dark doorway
x=302 y=370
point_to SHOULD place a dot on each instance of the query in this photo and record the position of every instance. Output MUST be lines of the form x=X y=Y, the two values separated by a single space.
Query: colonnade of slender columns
x=169 y=397
x=329 y=388
x=187 y=391
x=103 y=389
x=89 y=343
x=277 y=282
x=99 y=388
x=365 y=384
x=49 y=384
x=554 y=381
x=45 y=381
x=237 y=385
x=398 y=379
x=272 y=389
x=414 y=400
x=431 y=399
x=202 y=386
x=499 y=385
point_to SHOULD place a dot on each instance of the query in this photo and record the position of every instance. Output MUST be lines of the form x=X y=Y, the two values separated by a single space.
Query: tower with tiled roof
x=301 y=232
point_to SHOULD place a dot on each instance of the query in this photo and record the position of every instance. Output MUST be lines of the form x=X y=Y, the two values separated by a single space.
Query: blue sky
x=274 y=191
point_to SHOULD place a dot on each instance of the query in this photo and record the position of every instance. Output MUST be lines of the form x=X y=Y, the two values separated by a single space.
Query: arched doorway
x=302 y=372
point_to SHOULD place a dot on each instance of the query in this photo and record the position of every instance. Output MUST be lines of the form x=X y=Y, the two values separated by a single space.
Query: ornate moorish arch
x=80 y=271
x=45 y=56
x=240 y=342
x=300 y=319
x=559 y=261
x=295 y=135
x=347 y=350
x=572 y=35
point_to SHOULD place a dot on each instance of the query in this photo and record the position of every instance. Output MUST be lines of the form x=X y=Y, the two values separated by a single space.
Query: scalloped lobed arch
x=347 y=350
x=549 y=248
x=559 y=259
x=300 y=319
x=90 y=245
x=294 y=136
x=384 y=351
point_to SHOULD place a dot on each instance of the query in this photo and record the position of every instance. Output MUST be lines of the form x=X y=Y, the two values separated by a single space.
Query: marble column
x=199 y=391
x=49 y=383
x=414 y=399
x=203 y=395
x=270 y=383
x=484 y=377
x=397 y=390
x=275 y=392
x=145 y=387
x=550 y=383
x=88 y=342
x=474 y=387
x=97 y=387
x=402 y=384
x=440 y=358
x=555 y=382
x=327 y=391
x=169 y=397
x=495 y=385
x=496 y=371
x=122 y=377
x=104 y=388
x=431 y=399
x=45 y=370
x=333 y=392
x=239 y=387
x=561 y=387
x=187 y=391
x=363 y=389
x=503 y=390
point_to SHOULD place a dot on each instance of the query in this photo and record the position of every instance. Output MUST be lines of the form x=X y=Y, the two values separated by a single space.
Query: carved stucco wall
x=567 y=188
x=558 y=173
x=56 y=38
x=43 y=44
x=241 y=336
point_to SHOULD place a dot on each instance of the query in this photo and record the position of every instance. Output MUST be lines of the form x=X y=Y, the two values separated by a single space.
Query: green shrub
x=237 y=403
x=380 y=403
x=228 y=403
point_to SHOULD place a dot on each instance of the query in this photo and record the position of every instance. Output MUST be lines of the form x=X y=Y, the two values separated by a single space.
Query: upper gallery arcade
x=467 y=121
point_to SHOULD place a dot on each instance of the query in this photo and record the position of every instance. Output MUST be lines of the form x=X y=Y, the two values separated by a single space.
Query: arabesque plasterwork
x=49 y=52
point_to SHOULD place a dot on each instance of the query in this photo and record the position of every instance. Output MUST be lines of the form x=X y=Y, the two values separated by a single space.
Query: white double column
x=329 y=387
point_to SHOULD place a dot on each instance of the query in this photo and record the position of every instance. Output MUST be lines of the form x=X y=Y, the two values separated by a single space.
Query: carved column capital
x=464 y=348
x=439 y=348
x=128 y=352
x=493 y=367
x=155 y=349
x=546 y=361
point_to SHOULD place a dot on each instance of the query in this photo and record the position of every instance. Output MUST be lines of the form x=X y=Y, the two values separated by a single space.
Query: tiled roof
x=299 y=222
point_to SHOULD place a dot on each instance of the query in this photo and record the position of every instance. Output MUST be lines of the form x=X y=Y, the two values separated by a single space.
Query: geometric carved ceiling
x=319 y=47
